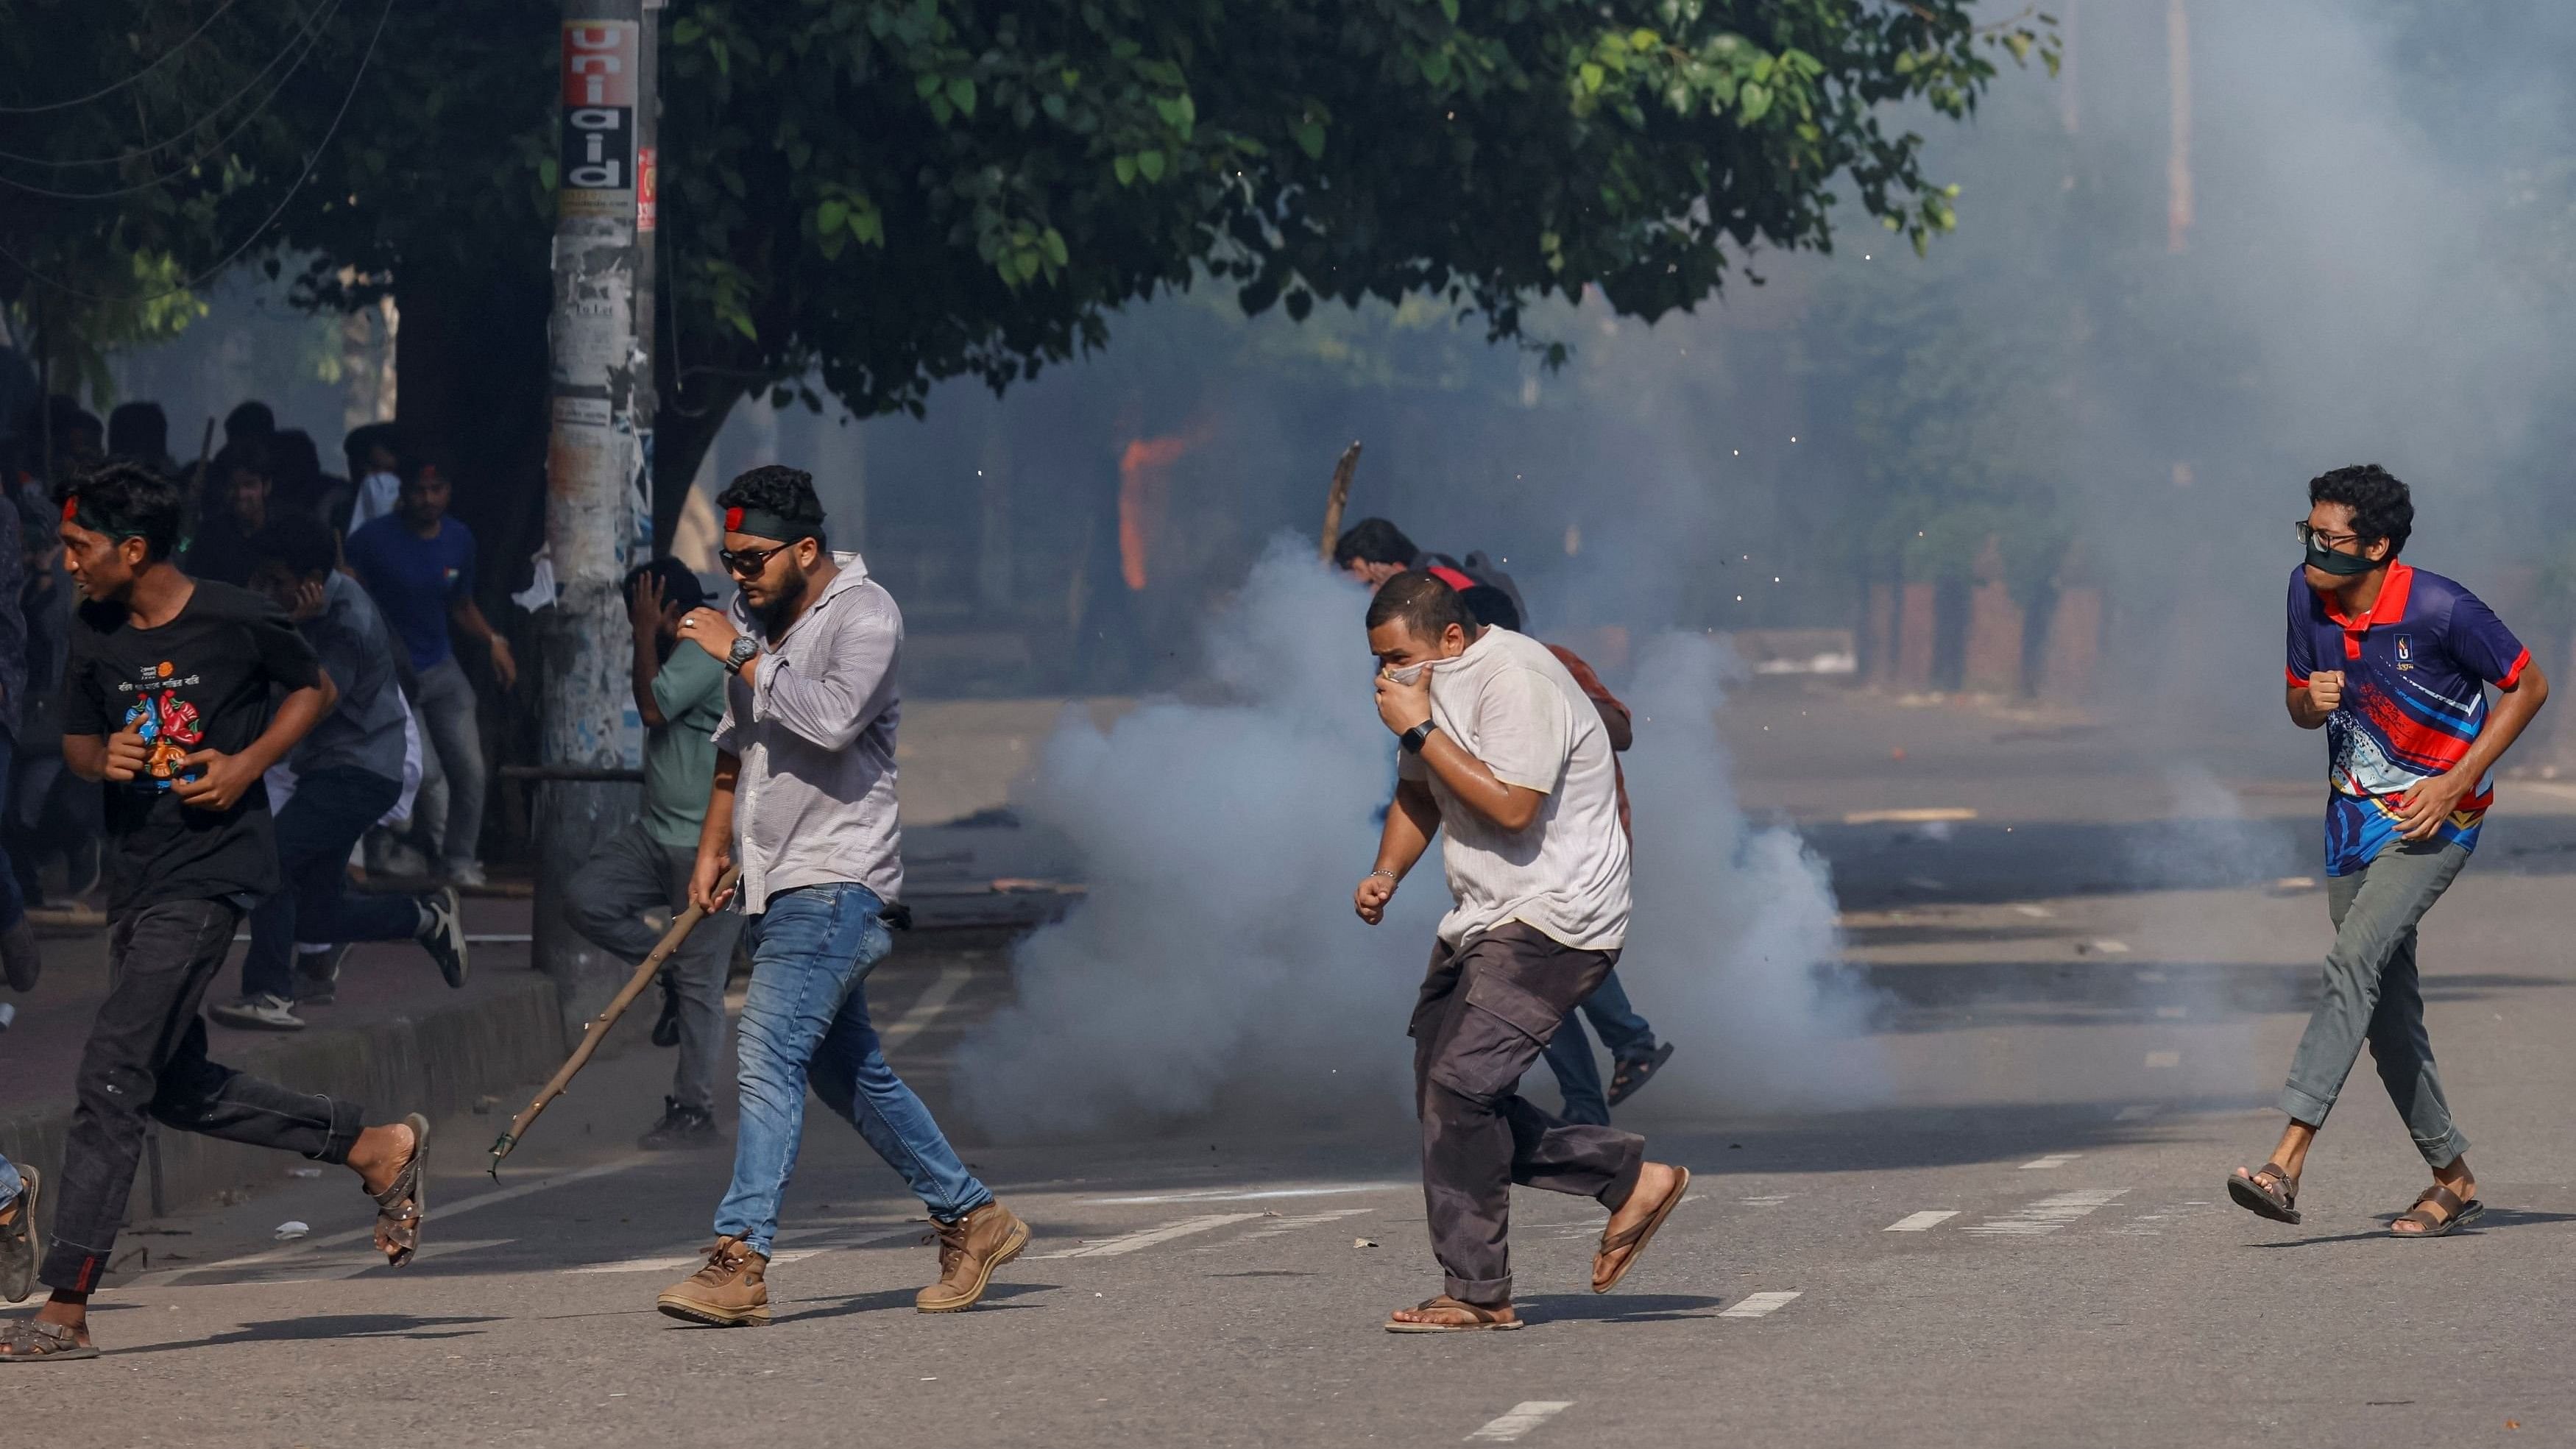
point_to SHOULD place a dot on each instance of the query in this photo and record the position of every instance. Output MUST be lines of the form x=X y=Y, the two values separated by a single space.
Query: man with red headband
x=804 y=802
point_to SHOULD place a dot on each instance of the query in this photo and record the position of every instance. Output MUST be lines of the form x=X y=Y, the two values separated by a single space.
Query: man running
x=1500 y=748
x=680 y=692
x=2392 y=663
x=167 y=700
x=804 y=798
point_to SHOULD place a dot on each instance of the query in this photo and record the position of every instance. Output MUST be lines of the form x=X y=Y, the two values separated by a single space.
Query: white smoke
x=1216 y=957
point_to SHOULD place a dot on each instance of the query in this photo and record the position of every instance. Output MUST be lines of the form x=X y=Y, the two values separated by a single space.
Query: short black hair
x=138 y=430
x=365 y=438
x=1424 y=604
x=132 y=500
x=679 y=585
x=1373 y=540
x=1492 y=607
x=297 y=461
x=779 y=489
x=2381 y=506
x=297 y=542
x=250 y=420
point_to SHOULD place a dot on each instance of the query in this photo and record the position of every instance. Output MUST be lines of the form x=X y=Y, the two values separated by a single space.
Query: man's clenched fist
x=2325 y=689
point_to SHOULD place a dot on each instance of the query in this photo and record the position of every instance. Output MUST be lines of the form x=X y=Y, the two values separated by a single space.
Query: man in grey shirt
x=348 y=773
x=804 y=801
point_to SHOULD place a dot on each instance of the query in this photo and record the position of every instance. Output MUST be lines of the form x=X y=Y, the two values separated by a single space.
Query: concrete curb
x=434 y=1062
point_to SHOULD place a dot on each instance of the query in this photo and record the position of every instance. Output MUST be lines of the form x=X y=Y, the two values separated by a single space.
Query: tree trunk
x=680 y=442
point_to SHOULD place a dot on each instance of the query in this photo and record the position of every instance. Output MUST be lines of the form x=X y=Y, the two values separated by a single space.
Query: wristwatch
x=1415 y=738
x=744 y=646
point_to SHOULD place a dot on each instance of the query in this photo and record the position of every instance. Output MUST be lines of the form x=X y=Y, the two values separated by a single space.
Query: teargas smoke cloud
x=1216 y=960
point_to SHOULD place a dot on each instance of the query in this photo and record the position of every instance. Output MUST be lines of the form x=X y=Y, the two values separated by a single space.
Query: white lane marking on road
x=2109 y=947
x=1130 y=1242
x=2036 y=913
x=2048 y=1214
x=1923 y=1222
x=2151 y=976
x=2054 y=1159
x=1931 y=816
x=438 y=1212
x=1233 y=1194
x=1770 y=1200
x=2172 y=1013
x=1758 y=1305
x=2164 y=1059
x=1525 y=1416
x=1283 y=1226
x=678 y=1261
x=2139 y=1113
x=934 y=999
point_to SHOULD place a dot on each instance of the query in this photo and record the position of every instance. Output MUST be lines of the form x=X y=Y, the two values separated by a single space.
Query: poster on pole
x=597 y=161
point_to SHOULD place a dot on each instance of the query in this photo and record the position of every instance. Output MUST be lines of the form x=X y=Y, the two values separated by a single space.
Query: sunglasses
x=747 y=563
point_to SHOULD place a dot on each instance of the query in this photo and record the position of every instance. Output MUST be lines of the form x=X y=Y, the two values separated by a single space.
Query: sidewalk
x=398 y=1040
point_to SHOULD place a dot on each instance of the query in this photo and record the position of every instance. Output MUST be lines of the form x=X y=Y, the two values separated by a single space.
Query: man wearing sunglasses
x=804 y=800
x=2393 y=663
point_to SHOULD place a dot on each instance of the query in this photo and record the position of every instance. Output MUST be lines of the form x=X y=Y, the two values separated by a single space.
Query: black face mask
x=2341 y=565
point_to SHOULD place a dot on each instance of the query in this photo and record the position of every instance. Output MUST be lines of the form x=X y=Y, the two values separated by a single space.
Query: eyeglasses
x=747 y=563
x=2309 y=532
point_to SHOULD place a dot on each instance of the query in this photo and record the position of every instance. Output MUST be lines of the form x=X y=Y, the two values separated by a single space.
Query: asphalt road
x=2024 y=1241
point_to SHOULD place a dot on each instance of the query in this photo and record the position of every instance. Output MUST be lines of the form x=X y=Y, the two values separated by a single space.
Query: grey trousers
x=2371 y=994
x=632 y=873
x=1485 y=1014
x=445 y=708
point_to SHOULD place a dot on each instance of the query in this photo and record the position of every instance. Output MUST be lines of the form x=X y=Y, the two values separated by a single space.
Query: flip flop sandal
x=2456 y=1214
x=2277 y=1199
x=1633 y=1240
x=404 y=1204
x=1628 y=1076
x=29 y=1340
x=1478 y=1320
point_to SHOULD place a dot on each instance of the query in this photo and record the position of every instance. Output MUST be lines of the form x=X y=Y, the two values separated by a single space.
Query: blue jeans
x=321 y=822
x=10 y=1183
x=1569 y=1052
x=806 y=1020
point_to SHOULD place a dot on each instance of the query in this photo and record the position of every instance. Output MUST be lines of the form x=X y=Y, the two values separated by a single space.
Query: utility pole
x=598 y=465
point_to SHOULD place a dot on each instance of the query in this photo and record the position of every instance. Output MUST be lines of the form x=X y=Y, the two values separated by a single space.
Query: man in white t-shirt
x=1500 y=747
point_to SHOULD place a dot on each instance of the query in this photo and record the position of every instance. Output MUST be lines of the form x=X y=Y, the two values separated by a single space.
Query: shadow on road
x=1616 y=1308
x=337 y=1325
x=893 y=1299
x=2493 y=1219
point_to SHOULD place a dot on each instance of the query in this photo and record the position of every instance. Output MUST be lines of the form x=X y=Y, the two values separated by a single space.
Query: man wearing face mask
x=375 y=475
x=1500 y=748
x=804 y=799
x=2392 y=662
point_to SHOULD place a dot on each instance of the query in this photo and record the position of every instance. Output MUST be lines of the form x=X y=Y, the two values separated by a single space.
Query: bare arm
x=715 y=836
x=644 y=612
x=2313 y=702
x=87 y=756
x=1614 y=718
x=1411 y=820
x=467 y=615
x=223 y=779
x=1473 y=785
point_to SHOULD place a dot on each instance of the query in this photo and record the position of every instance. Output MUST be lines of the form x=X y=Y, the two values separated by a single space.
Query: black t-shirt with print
x=202 y=681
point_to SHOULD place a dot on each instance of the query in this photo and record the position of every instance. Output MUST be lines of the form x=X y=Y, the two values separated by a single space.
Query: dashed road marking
x=1148 y=1237
x=1524 y=1416
x=934 y=999
x=2048 y=1214
x=1284 y=1226
x=2164 y=1059
x=1922 y=1222
x=2036 y=913
x=1758 y=1305
x=2054 y=1159
x=1773 y=1199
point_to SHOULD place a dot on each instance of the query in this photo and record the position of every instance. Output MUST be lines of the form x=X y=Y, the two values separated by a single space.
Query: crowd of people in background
x=377 y=576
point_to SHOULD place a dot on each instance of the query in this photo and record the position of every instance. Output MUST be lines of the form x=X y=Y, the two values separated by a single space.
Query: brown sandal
x=31 y=1339
x=1631 y=1243
x=1469 y=1318
x=2455 y=1214
x=404 y=1204
x=2277 y=1200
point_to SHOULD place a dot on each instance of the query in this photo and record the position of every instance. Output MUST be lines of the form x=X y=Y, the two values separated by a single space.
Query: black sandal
x=1628 y=1076
x=31 y=1339
x=404 y=1204
x=2455 y=1214
x=2277 y=1199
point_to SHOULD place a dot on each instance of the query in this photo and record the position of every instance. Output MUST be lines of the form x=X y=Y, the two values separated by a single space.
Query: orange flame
x=1142 y=475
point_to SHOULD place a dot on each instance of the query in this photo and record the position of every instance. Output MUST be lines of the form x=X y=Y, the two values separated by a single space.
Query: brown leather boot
x=969 y=1250
x=731 y=1291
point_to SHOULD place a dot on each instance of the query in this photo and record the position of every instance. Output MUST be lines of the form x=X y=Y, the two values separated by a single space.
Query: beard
x=780 y=611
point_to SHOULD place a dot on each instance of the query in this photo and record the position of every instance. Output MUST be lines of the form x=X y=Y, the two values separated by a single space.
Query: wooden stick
x=1341 y=495
x=598 y=1030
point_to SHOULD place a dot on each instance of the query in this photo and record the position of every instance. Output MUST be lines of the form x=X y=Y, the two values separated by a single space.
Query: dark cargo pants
x=146 y=1057
x=1486 y=1012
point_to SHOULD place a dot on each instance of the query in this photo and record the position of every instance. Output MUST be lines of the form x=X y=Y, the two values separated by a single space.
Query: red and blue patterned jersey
x=2415 y=670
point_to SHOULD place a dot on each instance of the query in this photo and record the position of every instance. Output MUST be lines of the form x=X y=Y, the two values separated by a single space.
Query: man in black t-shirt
x=166 y=701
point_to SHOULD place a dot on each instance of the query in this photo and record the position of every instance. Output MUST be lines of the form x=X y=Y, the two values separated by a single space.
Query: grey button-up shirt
x=815 y=800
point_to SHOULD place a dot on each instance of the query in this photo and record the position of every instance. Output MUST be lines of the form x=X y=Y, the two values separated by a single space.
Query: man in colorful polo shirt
x=2392 y=662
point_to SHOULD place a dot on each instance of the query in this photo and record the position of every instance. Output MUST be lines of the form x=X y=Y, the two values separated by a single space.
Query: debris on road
x=291 y=1229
